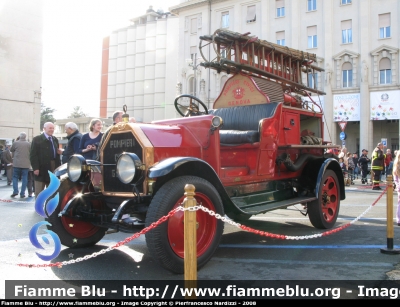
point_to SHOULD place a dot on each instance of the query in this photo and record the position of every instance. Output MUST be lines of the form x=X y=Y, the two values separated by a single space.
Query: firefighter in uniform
x=378 y=162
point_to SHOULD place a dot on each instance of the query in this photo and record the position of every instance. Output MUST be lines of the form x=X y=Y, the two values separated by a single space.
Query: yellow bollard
x=389 y=219
x=190 y=240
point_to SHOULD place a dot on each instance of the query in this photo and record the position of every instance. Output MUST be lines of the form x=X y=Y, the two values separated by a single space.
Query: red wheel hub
x=78 y=229
x=206 y=227
x=329 y=199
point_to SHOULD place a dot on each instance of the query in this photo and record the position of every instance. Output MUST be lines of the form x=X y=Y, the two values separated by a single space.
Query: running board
x=262 y=207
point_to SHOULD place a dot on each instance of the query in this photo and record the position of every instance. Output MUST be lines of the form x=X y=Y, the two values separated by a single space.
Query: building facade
x=139 y=68
x=21 y=44
x=356 y=42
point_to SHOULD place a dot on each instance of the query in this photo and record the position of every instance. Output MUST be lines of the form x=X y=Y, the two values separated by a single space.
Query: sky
x=73 y=32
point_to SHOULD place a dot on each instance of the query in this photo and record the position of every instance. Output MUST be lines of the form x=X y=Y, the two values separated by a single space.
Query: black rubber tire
x=324 y=211
x=169 y=196
x=191 y=97
x=66 y=191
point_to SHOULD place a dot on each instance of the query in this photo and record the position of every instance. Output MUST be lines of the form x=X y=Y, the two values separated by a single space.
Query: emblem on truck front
x=238 y=93
x=122 y=143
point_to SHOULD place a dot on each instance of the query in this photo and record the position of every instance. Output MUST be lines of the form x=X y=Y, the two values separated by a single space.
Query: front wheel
x=324 y=211
x=72 y=232
x=166 y=241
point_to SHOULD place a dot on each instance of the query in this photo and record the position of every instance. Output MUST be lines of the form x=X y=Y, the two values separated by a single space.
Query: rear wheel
x=323 y=212
x=73 y=233
x=166 y=241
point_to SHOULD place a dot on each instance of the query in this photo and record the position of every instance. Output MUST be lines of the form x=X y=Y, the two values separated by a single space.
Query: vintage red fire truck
x=259 y=148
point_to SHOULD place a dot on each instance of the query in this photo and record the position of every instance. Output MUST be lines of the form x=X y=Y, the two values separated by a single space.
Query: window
x=280 y=38
x=223 y=81
x=280 y=8
x=384 y=25
x=193 y=26
x=312 y=37
x=346 y=1
x=385 y=71
x=395 y=144
x=384 y=32
x=347 y=75
x=191 y=86
x=223 y=53
x=312 y=80
x=311 y=5
x=193 y=54
x=347 y=35
x=225 y=20
x=251 y=14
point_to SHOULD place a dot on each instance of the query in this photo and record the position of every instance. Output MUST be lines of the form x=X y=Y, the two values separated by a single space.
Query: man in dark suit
x=45 y=156
x=7 y=159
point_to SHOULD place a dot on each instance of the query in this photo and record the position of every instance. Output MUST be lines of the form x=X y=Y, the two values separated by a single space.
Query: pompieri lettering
x=121 y=143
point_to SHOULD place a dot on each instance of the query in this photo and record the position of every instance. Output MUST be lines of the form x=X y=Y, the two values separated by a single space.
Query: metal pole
x=190 y=240
x=194 y=78
x=389 y=219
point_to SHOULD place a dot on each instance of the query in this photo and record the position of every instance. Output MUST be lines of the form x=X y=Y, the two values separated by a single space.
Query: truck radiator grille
x=116 y=145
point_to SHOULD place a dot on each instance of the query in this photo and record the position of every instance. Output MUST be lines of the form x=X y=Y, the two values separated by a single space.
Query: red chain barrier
x=172 y=212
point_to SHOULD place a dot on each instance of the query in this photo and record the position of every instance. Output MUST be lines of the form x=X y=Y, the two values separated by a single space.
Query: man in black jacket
x=74 y=138
x=363 y=161
x=1 y=161
x=45 y=156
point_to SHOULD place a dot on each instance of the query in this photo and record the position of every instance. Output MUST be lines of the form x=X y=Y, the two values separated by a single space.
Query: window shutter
x=311 y=31
x=346 y=24
x=347 y=66
x=251 y=13
x=193 y=25
x=280 y=35
x=384 y=20
x=384 y=64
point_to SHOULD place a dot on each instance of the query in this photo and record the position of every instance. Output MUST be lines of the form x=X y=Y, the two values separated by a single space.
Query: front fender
x=333 y=165
x=61 y=170
x=181 y=166
x=168 y=165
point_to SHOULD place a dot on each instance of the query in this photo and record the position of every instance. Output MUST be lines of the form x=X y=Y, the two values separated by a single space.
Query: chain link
x=16 y=201
x=225 y=219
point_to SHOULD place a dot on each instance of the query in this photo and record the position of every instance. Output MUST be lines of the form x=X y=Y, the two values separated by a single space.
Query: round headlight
x=129 y=168
x=74 y=168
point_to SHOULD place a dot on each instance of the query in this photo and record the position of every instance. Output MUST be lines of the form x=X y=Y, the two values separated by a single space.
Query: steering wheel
x=188 y=107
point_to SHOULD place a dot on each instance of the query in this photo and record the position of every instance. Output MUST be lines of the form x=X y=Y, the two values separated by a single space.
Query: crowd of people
x=30 y=162
x=382 y=164
x=353 y=166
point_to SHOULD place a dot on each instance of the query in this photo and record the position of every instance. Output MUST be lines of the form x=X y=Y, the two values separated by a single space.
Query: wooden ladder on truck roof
x=237 y=52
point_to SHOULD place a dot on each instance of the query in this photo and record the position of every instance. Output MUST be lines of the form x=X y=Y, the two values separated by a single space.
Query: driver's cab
x=250 y=108
x=257 y=120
